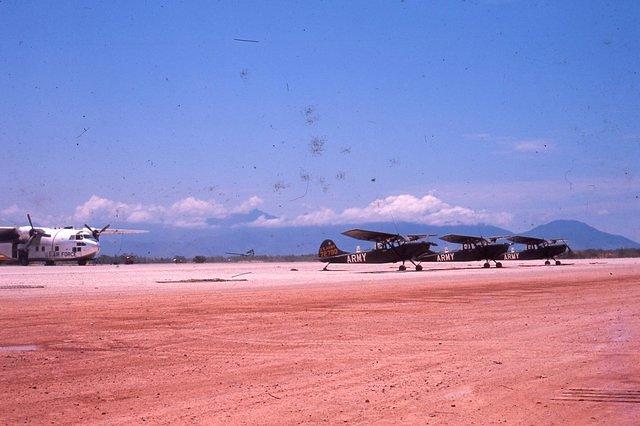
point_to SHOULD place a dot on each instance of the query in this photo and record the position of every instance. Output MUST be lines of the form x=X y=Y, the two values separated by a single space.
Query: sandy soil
x=525 y=344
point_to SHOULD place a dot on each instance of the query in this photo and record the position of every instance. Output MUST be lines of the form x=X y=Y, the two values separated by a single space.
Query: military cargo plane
x=473 y=249
x=389 y=248
x=25 y=244
x=537 y=248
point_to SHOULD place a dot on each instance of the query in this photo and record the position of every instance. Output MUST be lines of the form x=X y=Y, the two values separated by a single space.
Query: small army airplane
x=248 y=253
x=537 y=248
x=473 y=249
x=50 y=245
x=389 y=248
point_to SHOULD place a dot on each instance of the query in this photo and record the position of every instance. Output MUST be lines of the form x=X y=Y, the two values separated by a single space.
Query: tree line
x=131 y=258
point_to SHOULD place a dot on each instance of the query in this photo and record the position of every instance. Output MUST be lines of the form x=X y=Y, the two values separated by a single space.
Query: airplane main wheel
x=546 y=262
x=498 y=264
x=402 y=268
x=23 y=260
x=82 y=262
x=558 y=262
x=418 y=267
x=49 y=263
x=486 y=265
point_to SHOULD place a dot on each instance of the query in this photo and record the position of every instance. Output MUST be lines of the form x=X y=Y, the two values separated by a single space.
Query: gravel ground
x=360 y=343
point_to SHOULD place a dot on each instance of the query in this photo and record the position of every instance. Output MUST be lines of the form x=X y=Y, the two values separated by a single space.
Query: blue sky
x=518 y=113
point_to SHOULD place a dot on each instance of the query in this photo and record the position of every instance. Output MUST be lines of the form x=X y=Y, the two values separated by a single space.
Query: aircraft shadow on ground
x=424 y=270
x=543 y=265
x=459 y=268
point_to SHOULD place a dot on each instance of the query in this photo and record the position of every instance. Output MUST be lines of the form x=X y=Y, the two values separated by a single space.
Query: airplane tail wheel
x=486 y=265
x=402 y=268
x=418 y=267
x=498 y=264
x=546 y=262
x=558 y=262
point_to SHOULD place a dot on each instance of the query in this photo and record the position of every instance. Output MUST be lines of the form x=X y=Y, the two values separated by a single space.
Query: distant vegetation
x=603 y=254
x=130 y=258
x=120 y=259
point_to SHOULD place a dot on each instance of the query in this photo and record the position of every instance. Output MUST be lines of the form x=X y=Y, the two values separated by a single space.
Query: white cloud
x=100 y=207
x=528 y=145
x=12 y=212
x=533 y=145
x=194 y=207
x=191 y=212
x=404 y=208
x=249 y=205
x=187 y=212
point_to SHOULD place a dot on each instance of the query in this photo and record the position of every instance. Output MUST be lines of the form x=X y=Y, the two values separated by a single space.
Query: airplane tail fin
x=328 y=249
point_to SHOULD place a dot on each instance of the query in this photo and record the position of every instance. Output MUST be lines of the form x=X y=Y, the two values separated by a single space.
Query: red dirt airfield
x=360 y=343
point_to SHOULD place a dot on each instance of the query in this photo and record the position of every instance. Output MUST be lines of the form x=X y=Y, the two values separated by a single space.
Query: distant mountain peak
x=581 y=235
x=240 y=218
x=230 y=234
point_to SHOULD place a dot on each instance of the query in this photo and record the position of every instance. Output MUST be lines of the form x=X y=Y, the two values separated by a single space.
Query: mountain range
x=233 y=235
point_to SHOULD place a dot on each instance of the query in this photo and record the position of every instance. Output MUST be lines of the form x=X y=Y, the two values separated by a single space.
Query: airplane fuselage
x=537 y=253
x=469 y=254
x=400 y=253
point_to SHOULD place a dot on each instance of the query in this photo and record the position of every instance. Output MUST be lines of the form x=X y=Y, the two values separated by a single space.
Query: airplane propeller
x=561 y=240
x=95 y=232
x=33 y=233
x=416 y=237
x=494 y=239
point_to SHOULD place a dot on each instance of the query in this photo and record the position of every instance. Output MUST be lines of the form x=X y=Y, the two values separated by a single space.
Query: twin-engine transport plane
x=49 y=245
x=473 y=249
x=389 y=248
x=537 y=248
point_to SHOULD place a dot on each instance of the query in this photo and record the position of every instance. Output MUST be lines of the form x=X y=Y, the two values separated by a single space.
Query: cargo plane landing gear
x=488 y=265
x=23 y=257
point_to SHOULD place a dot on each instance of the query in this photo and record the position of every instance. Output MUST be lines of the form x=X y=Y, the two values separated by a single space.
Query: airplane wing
x=8 y=234
x=521 y=239
x=378 y=237
x=113 y=231
x=462 y=239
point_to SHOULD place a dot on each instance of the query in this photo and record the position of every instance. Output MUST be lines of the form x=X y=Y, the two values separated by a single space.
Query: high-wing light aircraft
x=473 y=249
x=537 y=248
x=248 y=253
x=389 y=248
x=49 y=245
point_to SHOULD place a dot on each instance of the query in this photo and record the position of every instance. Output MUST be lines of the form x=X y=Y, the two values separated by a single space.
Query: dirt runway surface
x=524 y=344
